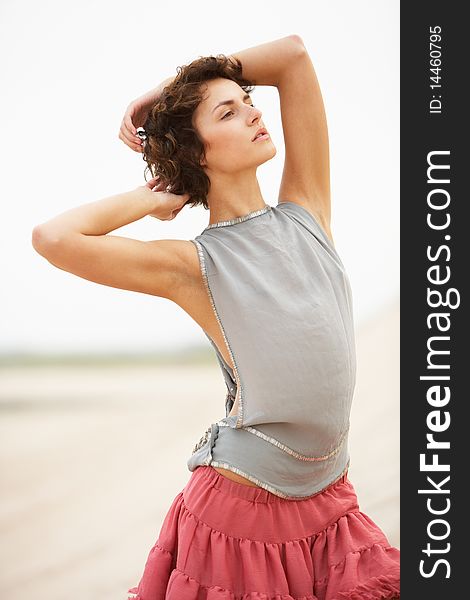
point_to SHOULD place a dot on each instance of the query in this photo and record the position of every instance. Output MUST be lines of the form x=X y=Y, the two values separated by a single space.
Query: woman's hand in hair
x=167 y=205
x=136 y=115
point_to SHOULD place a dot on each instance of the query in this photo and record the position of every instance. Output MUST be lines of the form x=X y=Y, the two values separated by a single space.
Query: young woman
x=268 y=511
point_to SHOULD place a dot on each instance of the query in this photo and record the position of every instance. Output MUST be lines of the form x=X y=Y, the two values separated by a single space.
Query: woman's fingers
x=129 y=125
x=128 y=132
x=155 y=185
x=129 y=142
x=152 y=182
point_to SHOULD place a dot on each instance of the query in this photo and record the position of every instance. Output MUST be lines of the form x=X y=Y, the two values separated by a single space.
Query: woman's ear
x=202 y=160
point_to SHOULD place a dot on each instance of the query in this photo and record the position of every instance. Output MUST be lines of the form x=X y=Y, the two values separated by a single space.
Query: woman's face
x=227 y=123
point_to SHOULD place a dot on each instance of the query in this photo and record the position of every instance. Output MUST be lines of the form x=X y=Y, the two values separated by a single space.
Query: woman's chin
x=269 y=153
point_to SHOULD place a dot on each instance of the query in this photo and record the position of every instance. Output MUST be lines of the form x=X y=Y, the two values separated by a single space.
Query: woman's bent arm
x=285 y=63
x=76 y=241
x=100 y=216
x=267 y=63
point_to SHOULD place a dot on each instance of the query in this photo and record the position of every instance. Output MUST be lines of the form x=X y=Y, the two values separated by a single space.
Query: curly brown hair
x=173 y=150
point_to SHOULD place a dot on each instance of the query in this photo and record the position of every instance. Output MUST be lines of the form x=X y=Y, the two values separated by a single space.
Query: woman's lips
x=264 y=136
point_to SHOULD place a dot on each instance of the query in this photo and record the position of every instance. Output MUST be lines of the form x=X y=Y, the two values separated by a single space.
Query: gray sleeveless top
x=283 y=301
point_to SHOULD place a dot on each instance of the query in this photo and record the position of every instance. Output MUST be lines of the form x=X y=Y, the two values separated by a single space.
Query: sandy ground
x=90 y=463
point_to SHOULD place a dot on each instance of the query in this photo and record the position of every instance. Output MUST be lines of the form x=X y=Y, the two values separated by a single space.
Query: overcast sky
x=68 y=72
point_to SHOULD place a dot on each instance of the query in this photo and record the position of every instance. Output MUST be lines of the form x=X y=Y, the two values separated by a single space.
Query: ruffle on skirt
x=223 y=540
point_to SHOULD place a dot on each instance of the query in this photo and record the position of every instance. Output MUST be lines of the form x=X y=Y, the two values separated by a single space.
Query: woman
x=268 y=512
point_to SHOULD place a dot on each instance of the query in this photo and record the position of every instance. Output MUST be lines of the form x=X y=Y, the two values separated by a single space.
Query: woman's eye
x=231 y=112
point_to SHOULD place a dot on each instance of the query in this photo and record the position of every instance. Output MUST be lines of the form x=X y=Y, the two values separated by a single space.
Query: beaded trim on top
x=250 y=215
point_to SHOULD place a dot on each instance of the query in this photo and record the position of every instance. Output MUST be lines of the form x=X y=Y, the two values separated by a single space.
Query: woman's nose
x=256 y=114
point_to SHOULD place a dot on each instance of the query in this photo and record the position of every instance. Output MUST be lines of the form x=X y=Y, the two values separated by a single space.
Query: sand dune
x=91 y=460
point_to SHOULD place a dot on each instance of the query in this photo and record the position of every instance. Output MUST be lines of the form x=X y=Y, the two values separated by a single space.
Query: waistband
x=243 y=511
x=256 y=494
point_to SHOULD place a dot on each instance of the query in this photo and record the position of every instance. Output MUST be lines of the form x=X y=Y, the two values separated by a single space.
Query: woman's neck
x=232 y=196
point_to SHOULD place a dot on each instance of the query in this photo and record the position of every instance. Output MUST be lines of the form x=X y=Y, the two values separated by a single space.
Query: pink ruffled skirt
x=223 y=540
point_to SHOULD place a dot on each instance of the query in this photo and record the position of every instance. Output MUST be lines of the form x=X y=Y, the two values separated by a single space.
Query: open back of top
x=283 y=301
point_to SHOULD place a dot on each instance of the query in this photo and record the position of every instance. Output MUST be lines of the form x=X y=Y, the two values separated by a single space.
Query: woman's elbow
x=43 y=241
x=297 y=43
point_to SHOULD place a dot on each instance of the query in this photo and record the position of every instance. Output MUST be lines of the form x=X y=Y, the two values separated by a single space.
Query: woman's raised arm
x=77 y=241
x=285 y=63
x=136 y=115
x=266 y=64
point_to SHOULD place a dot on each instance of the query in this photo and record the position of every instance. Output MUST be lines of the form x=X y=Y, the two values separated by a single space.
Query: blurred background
x=95 y=380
